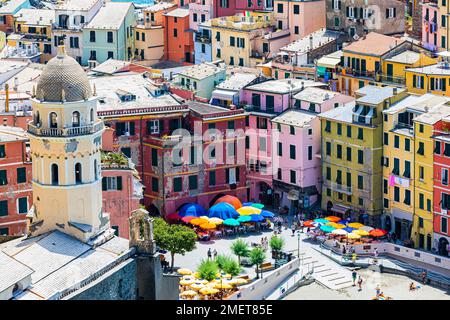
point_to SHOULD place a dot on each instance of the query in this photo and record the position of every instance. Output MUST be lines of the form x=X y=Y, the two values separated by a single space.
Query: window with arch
x=92 y=115
x=75 y=119
x=37 y=118
x=53 y=121
x=95 y=169
x=54 y=171
x=78 y=177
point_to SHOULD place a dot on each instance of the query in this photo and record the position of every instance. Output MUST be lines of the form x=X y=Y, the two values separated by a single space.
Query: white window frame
x=111 y=183
x=351 y=12
x=391 y=13
x=444 y=172
x=336 y=5
x=17 y=205
x=154 y=126
x=418 y=82
x=437 y=84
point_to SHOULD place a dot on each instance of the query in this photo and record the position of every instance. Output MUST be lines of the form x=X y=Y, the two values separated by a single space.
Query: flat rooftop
x=318 y=38
x=375 y=95
x=437 y=69
x=315 y=95
x=295 y=117
x=374 y=44
x=417 y=103
x=237 y=81
x=283 y=86
x=406 y=57
x=202 y=71
x=9 y=134
x=36 y=17
x=110 y=16
x=71 y=5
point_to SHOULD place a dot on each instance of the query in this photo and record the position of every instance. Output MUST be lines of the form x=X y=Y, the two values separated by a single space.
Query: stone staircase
x=328 y=273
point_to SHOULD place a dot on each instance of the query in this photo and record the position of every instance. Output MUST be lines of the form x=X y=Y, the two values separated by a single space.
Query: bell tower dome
x=65 y=140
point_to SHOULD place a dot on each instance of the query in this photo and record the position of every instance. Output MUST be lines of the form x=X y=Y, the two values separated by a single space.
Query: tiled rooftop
x=110 y=16
x=374 y=44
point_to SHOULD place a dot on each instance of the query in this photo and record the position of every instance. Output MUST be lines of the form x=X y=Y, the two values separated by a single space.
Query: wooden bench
x=266 y=266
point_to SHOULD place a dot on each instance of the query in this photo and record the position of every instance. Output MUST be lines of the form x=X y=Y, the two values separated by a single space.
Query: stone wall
x=117 y=284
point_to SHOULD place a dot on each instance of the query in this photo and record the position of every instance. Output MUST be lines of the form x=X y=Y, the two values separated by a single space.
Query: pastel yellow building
x=239 y=40
x=378 y=59
x=408 y=165
x=422 y=229
x=34 y=26
x=352 y=147
x=65 y=139
x=429 y=79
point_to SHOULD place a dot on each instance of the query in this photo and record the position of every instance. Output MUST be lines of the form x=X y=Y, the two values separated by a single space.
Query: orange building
x=149 y=36
x=178 y=38
x=15 y=181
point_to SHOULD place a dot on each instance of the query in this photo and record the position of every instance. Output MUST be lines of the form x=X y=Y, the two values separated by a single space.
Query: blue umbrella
x=344 y=222
x=322 y=221
x=267 y=214
x=223 y=211
x=247 y=204
x=256 y=218
x=327 y=228
x=231 y=222
x=244 y=219
x=349 y=229
x=192 y=209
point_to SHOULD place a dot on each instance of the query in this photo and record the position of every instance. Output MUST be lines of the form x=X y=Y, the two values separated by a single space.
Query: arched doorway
x=153 y=211
x=78 y=177
x=55 y=174
x=265 y=194
x=211 y=203
x=443 y=247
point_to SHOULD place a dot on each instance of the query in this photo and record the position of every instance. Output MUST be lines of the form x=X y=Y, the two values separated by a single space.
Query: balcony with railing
x=403 y=128
x=346 y=71
x=202 y=38
x=390 y=79
x=65 y=132
x=338 y=187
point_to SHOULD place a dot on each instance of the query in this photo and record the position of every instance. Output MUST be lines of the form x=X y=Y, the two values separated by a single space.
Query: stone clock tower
x=65 y=140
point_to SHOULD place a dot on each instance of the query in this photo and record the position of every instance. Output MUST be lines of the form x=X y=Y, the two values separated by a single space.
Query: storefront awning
x=328 y=62
x=293 y=195
x=340 y=208
x=223 y=95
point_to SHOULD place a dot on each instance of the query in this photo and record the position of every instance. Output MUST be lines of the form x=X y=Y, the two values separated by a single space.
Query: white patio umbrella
x=339 y=232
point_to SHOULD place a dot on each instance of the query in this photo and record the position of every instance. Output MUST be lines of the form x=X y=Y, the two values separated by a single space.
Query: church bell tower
x=65 y=139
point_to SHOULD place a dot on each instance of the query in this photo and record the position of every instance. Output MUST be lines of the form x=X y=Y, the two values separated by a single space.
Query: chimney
x=394 y=91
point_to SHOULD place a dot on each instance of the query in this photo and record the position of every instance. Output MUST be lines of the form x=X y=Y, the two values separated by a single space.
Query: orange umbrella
x=377 y=233
x=309 y=223
x=333 y=218
x=198 y=221
x=208 y=225
x=234 y=201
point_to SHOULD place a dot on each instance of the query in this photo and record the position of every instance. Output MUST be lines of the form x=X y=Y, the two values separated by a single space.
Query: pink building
x=430 y=29
x=264 y=101
x=122 y=191
x=297 y=148
x=300 y=17
x=200 y=11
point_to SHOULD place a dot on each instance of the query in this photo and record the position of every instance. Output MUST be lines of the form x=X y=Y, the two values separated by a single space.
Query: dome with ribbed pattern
x=63 y=80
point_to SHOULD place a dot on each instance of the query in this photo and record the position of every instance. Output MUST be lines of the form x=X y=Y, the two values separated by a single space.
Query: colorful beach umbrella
x=208 y=226
x=237 y=281
x=173 y=216
x=188 y=293
x=184 y=271
x=244 y=219
x=336 y=225
x=257 y=205
x=223 y=211
x=348 y=229
x=327 y=228
x=208 y=290
x=246 y=211
x=187 y=219
x=198 y=221
x=267 y=214
x=216 y=220
x=191 y=209
x=322 y=221
x=197 y=286
x=377 y=233
x=361 y=232
x=366 y=228
x=333 y=218
x=256 y=218
x=339 y=232
x=204 y=217
x=309 y=223
x=355 y=225
x=234 y=201
x=231 y=223
x=223 y=285
x=187 y=282
x=353 y=236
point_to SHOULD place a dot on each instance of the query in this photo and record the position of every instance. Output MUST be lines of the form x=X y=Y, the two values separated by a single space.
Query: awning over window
x=340 y=208
x=293 y=195
x=223 y=95
x=327 y=62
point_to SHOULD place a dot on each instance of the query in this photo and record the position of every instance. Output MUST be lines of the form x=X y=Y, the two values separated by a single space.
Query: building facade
x=110 y=34
x=15 y=181
x=179 y=39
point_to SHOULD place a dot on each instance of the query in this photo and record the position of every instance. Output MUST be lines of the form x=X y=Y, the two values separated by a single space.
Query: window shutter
x=104 y=186
x=414 y=80
x=395 y=12
x=387 y=13
x=443 y=85
x=339 y=4
x=422 y=82
x=347 y=12
x=119 y=183
x=132 y=131
x=432 y=83
x=3 y=208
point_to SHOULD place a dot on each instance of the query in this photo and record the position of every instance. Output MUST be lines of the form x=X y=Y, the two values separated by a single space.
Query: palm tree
x=257 y=257
x=240 y=248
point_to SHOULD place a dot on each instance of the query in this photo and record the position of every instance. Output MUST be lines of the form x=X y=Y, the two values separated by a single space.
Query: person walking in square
x=360 y=281
x=209 y=254
x=354 y=275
